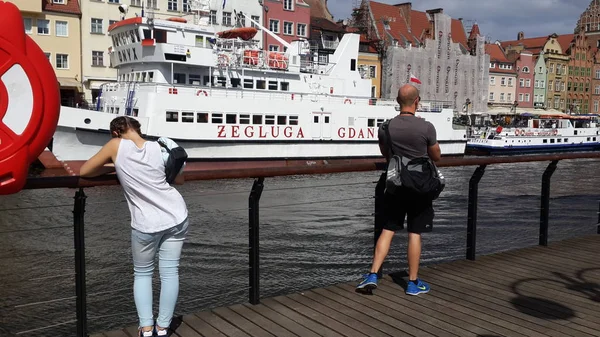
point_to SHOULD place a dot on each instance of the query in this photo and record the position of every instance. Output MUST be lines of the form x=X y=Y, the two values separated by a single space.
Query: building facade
x=54 y=26
x=557 y=63
x=525 y=80
x=540 y=81
x=589 y=24
x=288 y=19
x=579 y=84
x=502 y=77
x=595 y=91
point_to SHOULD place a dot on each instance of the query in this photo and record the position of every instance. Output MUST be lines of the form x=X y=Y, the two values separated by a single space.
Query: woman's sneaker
x=417 y=288
x=368 y=283
x=143 y=333
x=159 y=332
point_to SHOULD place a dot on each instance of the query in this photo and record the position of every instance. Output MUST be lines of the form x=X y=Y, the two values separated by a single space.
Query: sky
x=497 y=19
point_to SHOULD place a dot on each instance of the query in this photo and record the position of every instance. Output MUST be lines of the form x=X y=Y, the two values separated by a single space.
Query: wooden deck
x=536 y=291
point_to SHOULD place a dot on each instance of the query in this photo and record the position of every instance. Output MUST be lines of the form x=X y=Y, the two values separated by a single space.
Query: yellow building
x=55 y=26
x=557 y=65
x=369 y=65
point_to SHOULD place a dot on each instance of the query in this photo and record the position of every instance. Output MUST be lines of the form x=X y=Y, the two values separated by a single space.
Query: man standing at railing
x=410 y=137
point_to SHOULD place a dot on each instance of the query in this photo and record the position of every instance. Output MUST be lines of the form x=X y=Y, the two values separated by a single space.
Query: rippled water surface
x=315 y=231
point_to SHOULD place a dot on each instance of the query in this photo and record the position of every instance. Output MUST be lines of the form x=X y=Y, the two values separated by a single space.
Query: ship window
x=117 y=110
x=138 y=77
x=194 y=79
x=221 y=80
x=136 y=111
x=179 y=78
x=316 y=119
x=231 y=118
x=285 y=86
x=244 y=119
x=137 y=34
x=371 y=122
x=200 y=41
x=260 y=84
x=545 y=141
x=552 y=141
x=144 y=75
x=120 y=56
x=248 y=83
x=272 y=85
x=588 y=139
x=236 y=82
x=270 y=120
x=172 y=116
x=151 y=76
x=202 y=117
x=379 y=121
x=293 y=120
x=217 y=118
x=257 y=119
x=160 y=36
x=352 y=64
x=566 y=140
x=559 y=140
x=187 y=117
x=281 y=120
x=594 y=139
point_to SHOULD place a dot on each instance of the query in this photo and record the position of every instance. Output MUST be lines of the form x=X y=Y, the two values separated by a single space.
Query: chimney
x=520 y=36
x=435 y=11
x=405 y=10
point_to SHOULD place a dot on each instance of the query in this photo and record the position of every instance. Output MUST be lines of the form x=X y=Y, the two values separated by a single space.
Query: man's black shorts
x=417 y=211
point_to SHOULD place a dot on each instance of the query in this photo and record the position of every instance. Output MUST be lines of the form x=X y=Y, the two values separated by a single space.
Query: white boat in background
x=223 y=98
x=539 y=133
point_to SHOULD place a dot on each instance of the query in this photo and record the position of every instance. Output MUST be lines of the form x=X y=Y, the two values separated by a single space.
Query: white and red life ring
x=199 y=92
x=347 y=101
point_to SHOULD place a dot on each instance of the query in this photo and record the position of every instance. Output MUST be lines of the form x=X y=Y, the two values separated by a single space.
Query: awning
x=95 y=84
x=66 y=82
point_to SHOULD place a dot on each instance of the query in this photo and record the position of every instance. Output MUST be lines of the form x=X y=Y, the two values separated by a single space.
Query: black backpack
x=175 y=161
x=418 y=175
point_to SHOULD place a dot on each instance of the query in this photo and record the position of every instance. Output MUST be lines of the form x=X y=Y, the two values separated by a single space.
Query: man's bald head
x=407 y=95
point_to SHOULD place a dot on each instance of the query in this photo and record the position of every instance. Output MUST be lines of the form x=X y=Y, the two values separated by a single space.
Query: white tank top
x=154 y=204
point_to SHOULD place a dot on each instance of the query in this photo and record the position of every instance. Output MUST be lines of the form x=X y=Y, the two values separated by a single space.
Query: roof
x=318 y=9
x=324 y=24
x=496 y=53
x=565 y=41
x=419 y=24
x=70 y=7
x=536 y=44
x=474 y=31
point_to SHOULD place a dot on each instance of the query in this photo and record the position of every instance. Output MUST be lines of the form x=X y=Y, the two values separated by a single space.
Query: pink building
x=525 y=79
x=289 y=19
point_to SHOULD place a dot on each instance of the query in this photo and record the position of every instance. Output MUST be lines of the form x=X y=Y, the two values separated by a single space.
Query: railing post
x=79 y=241
x=472 y=211
x=379 y=204
x=545 y=204
x=253 y=224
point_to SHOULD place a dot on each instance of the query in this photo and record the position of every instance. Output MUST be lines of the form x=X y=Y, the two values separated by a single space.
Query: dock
x=535 y=291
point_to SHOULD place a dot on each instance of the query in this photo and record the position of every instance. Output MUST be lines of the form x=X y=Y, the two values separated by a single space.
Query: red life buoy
x=347 y=101
x=201 y=92
x=555 y=132
x=29 y=100
x=517 y=132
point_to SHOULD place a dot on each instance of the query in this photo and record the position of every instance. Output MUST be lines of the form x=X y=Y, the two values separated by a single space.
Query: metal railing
x=285 y=169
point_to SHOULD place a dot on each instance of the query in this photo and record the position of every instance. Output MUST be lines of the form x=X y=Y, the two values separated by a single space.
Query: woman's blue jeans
x=168 y=244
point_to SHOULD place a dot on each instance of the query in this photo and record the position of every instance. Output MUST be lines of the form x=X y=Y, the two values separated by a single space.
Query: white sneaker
x=161 y=332
x=145 y=333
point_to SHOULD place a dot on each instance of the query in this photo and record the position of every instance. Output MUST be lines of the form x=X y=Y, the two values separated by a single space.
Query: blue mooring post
x=472 y=211
x=79 y=241
x=379 y=204
x=545 y=202
x=253 y=208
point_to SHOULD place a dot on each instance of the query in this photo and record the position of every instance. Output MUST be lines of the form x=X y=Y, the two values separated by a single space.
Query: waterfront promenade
x=536 y=291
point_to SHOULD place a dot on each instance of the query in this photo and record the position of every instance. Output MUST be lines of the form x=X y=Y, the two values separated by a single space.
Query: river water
x=315 y=231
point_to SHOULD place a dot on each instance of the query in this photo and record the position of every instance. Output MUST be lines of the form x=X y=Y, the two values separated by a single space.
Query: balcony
x=329 y=44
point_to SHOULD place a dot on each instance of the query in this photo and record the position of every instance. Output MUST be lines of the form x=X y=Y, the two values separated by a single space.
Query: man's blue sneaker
x=419 y=288
x=368 y=283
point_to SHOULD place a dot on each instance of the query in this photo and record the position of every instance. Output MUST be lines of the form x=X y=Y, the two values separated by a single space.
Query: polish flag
x=414 y=79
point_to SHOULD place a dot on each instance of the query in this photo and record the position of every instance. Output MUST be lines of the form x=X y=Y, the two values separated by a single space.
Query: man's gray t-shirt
x=410 y=136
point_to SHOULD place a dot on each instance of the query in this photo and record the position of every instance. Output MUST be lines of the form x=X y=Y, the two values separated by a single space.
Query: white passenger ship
x=539 y=134
x=223 y=98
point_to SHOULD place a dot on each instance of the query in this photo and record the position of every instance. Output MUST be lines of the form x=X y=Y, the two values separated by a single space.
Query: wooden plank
x=318 y=317
x=282 y=320
x=118 y=333
x=220 y=324
x=184 y=330
x=424 y=312
x=346 y=315
x=399 y=320
x=201 y=326
x=131 y=331
x=240 y=322
x=261 y=321
x=464 y=293
x=316 y=327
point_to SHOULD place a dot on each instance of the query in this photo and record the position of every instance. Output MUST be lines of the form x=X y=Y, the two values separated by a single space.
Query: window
x=260 y=84
x=526 y=97
x=217 y=118
x=112 y=22
x=520 y=97
x=241 y=20
x=501 y=97
x=595 y=106
x=301 y=29
x=254 y=18
x=509 y=97
x=491 y=96
x=231 y=118
x=43 y=27
x=244 y=119
x=528 y=83
x=152 y=4
x=542 y=84
x=525 y=69
x=96 y=26
x=492 y=65
x=537 y=83
x=248 y=83
x=272 y=85
x=273 y=47
x=288 y=28
x=257 y=119
x=535 y=98
x=281 y=120
x=187 y=117
x=274 y=25
x=597 y=90
x=293 y=120
x=97 y=58
x=49 y=57
x=492 y=80
x=137 y=3
x=61 y=28
x=270 y=120
x=288 y=5
x=226 y=19
x=28 y=23
x=503 y=81
x=113 y=1
x=521 y=83
x=285 y=86
x=172 y=116
x=373 y=71
x=598 y=74
x=186 y=5
x=202 y=117
x=212 y=19
x=172 y=5
x=510 y=82
x=62 y=61
x=179 y=78
x=551 y=69
x=62 y=2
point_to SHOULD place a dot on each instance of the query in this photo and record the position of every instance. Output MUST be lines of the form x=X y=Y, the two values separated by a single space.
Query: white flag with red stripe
x=414 y=79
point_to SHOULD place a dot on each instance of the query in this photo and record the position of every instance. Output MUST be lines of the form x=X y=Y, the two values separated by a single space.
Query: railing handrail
x=194 y=171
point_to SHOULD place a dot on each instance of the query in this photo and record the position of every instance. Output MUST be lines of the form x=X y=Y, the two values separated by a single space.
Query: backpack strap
x=388 y=139
x=164 y=145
